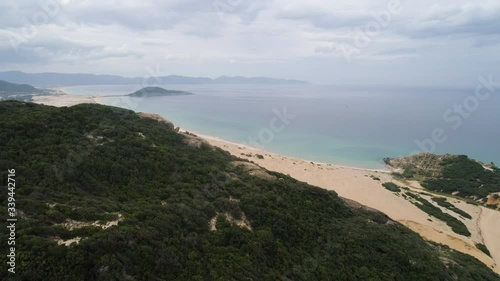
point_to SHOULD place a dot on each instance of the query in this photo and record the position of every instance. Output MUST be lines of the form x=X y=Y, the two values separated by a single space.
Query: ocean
x=354 y=126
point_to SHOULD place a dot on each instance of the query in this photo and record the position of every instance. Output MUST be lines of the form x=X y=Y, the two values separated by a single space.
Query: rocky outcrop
x=241 y=223
x=494 y=200
x=195 y=141
x=424 y=163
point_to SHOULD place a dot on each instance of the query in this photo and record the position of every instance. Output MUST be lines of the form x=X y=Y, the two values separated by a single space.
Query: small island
x=157 y=92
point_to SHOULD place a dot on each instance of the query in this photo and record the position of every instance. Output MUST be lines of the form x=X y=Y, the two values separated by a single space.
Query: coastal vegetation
x=105 y=194
x=483 y=248
x=22 y=92
x=441 y=201
x=456 y=225
x=451 y=174
x=11 y=91
x=391 y=187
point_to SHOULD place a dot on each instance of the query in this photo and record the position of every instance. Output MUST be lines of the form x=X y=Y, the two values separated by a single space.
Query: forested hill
x=22 y=92
x=142 y=202
x=12 y=91
x=17 y=88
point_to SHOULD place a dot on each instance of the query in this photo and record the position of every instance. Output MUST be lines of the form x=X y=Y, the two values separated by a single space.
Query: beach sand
x=63 y=100
x=365 y=187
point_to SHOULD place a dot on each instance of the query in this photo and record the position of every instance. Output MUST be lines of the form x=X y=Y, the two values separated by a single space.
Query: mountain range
x=51 y=79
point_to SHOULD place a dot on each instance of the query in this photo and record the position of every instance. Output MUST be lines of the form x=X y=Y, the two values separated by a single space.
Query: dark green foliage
x=483 y=249
x=465 y=176
x=392 y=187
x=397 y=175
x=88 y=163
x=424 y=205
x=259 y=156
x=23 y=98
x=409 y=172
x=441 y=201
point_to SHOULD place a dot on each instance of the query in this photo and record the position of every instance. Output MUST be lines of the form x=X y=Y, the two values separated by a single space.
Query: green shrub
x=456 y=225
x=409 y=172
x=483 y=249
x=392 y=187
x=441 y=201
x=465 y=177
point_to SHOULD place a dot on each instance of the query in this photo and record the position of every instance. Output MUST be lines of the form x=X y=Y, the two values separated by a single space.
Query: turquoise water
x=348 y=126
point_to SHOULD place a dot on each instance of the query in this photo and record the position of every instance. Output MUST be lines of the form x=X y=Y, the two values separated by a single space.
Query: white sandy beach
x=63 y=100
x=358 y=185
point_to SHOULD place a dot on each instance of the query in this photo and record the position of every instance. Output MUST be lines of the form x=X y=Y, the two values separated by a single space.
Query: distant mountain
x=18 y=91
x=254 y=80
x=11 y=88
x=23 y=92
x=65 y=79
x=62 y=79
x=157 y=91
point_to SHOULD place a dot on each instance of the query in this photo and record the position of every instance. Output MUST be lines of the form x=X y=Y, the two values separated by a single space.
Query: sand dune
x=490 y=227
x=63 y=100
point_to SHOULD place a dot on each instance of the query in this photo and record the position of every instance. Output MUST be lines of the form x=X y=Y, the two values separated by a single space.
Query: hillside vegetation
x=21 y=92
x=142 y=202
x=451 y=174
x=17 y=91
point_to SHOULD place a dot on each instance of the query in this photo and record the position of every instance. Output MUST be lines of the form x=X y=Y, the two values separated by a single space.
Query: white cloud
x=282 y=38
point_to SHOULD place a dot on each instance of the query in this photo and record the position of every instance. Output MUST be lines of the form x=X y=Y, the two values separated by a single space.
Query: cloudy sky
x=391 y=42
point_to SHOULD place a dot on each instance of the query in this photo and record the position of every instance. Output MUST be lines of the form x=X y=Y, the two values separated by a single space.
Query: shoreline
x=261 y=150
x=361 y=185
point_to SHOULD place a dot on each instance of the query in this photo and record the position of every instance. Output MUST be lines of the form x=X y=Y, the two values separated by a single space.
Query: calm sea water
x=348 y=126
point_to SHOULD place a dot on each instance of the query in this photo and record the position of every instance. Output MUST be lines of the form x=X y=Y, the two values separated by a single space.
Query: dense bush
x=483 y=248
x=424 y=205
x=392 y=187
x=465 y=177
x=88 y=162
x=441 y=201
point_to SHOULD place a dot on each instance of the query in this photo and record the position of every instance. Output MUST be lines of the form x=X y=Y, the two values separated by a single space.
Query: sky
x=446 y=43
